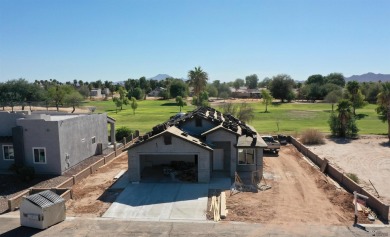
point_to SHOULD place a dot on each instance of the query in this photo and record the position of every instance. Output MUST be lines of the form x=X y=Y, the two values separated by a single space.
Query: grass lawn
x=290 y=117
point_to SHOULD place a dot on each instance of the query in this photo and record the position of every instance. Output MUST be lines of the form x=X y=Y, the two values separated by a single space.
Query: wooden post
x=356 y=195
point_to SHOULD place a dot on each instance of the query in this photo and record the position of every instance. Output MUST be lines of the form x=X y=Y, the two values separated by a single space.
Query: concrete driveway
x=161 y=201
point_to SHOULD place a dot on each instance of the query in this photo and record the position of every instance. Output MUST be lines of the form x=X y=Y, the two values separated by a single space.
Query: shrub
x=122 y=132
x=27 y=173
x=312 y=137
x=353 y=176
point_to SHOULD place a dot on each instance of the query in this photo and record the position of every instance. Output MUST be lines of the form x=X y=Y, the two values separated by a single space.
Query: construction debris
x=218 y=205
x=239 y=186
x=215 y=207
x=223 y=210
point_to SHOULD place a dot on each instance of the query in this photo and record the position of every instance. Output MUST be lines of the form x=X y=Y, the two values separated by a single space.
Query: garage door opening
x=169 y=168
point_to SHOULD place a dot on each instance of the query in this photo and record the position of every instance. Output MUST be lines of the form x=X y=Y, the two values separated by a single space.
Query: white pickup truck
x=272 y=145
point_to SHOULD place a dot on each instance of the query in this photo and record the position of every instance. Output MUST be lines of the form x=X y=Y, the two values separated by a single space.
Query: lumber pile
x=218 y=206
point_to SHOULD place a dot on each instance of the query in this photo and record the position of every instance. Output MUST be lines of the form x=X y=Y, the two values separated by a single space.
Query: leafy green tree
x=317 y=79
x=198 y=80
x=212 y=90
x=180 y=102
x=3 y=95
x=355 y=96
x=224 y=89
x=265 y=83
x=224 y=95
x=134 y=104
x=137 y=93
x=314 y=91
x=73 y=99
x=371 y=90
x=335 y=78
x=267 y=99
x=84 y=91
x=281 y=87
x=251 y=81
x=144 y=84
x=57 y=93
x=383 y=108
x=343 y=124
x=238 y=83
x=333 y=97
x=178 y=88
x=121 y=100
x=202 y=100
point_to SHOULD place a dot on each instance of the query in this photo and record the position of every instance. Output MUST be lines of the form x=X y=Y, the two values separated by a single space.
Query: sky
x=229 y=39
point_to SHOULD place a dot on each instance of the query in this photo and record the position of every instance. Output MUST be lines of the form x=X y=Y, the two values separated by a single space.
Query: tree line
x=331 y=88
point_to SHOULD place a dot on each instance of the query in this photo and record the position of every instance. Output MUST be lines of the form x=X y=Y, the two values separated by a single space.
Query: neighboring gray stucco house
x=51 y=143
x=212 y=141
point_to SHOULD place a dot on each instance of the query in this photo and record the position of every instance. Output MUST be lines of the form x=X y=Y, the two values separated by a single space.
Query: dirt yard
x=368 y=157
x=91 y=197
x=299 y=194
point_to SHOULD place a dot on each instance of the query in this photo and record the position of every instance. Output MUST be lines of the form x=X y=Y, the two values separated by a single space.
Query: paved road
x=109 y=227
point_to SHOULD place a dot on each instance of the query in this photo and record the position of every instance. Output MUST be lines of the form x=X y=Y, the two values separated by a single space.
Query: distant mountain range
x=369 y=77
x=160 y=77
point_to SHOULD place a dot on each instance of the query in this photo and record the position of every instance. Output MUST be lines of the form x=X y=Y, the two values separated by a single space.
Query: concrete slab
x=161 y=201
x=122 y=182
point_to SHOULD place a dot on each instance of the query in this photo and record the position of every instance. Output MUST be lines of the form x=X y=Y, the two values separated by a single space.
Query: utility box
x=42 y=210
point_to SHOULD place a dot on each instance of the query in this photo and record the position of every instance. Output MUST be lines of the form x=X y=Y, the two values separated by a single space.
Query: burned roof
x=175 y=132
x=45 y=199
x=227 y=121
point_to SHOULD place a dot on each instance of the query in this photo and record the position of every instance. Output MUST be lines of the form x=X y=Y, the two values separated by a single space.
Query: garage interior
x=169 y=168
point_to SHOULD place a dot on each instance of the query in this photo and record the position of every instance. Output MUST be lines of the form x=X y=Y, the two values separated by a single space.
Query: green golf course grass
x=291 y=118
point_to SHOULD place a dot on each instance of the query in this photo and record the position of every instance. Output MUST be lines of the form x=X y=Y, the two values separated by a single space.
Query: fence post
x=115 y=149
x=124 y=141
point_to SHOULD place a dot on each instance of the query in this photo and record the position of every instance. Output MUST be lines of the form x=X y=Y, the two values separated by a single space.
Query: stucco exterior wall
x=4 y=164
x=8 y=121
x=179 y=146
x=75 y=138
x=220 y=137
x=69 y=136
x=42 y=134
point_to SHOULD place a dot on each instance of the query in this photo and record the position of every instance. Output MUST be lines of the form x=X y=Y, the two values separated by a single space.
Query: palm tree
x=384 y=105
x=198 y=79
x=344 y=109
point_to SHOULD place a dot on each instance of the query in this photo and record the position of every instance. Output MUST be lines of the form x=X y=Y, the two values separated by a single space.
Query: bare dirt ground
x=368 y=157
x=91 y=197
x=299 y=194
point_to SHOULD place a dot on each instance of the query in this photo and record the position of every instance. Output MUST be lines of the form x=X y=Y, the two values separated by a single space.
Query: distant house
x=51 y=143
x=106 y=92
x=211 y=141
x=96 y=92
x=244 y=92
x=156 y=92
